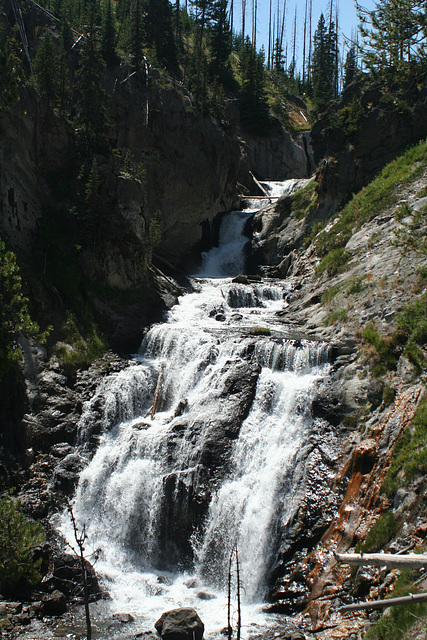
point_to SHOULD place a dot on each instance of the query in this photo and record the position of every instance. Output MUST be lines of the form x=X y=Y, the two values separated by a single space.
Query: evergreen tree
x=254 y=110
x=46 y=71
x=350 y=65
x=19 y=537
x=11 y=73
x=323 y=68
x=91 y=121
x=63 y=70
x=136 y=33
x=201 y=10
x=159 y=32
x=14 y=314
x=220 y=44
x=108 y=38
x=392 y=33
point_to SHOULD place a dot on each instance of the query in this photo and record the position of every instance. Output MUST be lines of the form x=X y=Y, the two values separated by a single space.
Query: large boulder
x=180 y=624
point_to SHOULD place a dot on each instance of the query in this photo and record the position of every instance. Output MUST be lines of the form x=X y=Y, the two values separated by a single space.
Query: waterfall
x=165 y=498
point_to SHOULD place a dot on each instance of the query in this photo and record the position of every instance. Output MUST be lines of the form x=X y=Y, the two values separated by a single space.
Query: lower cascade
x=199 y=447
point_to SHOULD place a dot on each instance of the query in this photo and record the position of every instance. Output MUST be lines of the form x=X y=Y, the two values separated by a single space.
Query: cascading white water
x=121 y=494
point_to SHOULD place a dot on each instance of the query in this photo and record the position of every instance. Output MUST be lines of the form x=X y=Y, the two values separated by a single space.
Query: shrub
x=19 y=537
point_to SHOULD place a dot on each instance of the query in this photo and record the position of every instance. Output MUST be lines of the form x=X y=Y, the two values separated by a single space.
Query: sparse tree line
x=200 y=43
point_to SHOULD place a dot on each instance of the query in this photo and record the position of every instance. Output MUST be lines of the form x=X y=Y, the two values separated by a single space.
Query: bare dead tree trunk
x=229 y=627
x=294 y=46
x=282 y=30
x=254 y=21
x=269 y=38
x=303 y=42
x=239 y=611
x=80 y=540
x=243 y=19
x=157 y=392
x=310 y=41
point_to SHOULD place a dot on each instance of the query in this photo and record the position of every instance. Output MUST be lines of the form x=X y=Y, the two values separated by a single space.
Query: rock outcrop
x=368 y=128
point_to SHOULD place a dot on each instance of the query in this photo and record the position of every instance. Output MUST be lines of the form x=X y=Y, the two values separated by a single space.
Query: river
x=170 y=492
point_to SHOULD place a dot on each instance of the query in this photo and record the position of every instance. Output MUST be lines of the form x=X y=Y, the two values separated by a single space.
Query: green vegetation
x=79 y=351
x=304 y=200
x=19 y=538
x=398 y=620
x=410 y=455
x=11 y=71
x=334 y=262
x=380 y=534
x=260 y=331
x=15 y=317
x=347 y=119
x=393 y=36
x=378 y=195
x=335 y=316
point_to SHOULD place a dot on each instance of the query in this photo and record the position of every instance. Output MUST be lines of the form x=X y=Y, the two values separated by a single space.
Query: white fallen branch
x=382 y=604
x=390 y=560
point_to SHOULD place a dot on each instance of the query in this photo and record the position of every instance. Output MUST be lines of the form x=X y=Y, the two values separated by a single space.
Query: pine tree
x=108 y=38
x=11 y=73
x=392 y=34
x=323 y=66
x=136 y=33
x=92 y=120
x=254 y=110
x=159 y=32
x=350 y=65
x=45 y=67
x=220 y=44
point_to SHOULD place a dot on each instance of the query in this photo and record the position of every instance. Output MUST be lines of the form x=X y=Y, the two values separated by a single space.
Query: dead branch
x=382 y=604
x=392 y=561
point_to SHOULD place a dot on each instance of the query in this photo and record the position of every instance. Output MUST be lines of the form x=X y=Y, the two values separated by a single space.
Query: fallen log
x=390 y=560
x=382 y=604
x=156 y=393
x=259 y=185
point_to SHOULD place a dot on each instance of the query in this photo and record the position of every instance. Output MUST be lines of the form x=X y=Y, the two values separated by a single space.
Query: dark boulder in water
x=180 y=624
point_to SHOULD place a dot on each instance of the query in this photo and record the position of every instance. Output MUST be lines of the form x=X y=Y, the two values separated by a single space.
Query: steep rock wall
x=366 y=130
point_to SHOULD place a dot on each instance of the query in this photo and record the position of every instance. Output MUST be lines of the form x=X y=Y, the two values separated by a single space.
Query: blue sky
x=347 y=18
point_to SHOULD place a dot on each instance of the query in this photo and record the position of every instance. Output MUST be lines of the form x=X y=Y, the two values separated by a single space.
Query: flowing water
x=164 y=505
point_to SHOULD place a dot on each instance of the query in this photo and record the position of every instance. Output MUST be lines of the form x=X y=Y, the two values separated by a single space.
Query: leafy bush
x=18 y=539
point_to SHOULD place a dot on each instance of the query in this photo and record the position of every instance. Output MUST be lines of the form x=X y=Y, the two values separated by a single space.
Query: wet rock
x=66 y=474
x=123 y=618
x=53 y=604
x=9 y=608
x=203 y=595
x=65 y=574
x=180 y=624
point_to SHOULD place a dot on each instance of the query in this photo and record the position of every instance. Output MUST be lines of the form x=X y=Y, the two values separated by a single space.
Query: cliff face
x=370 y=399
x=366 y=130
